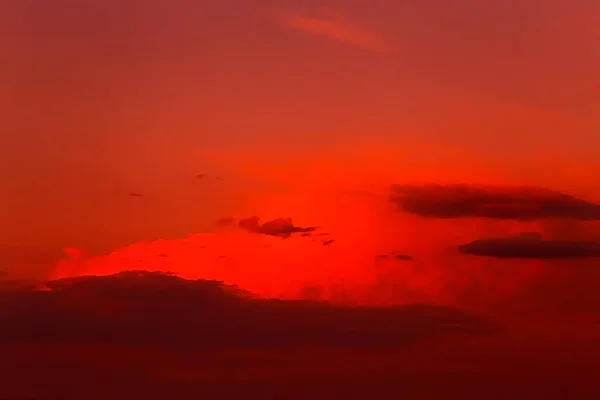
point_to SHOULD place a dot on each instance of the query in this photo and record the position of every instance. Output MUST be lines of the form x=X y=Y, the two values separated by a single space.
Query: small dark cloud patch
x=279 y=227
x=328 y=242
x=225 y=221
x=200 y=176
x=468 y=201
x=146 y=309
x=306 y=234
x=134 y=194
x=395 y=256
x=531 y=245
x=163 y=255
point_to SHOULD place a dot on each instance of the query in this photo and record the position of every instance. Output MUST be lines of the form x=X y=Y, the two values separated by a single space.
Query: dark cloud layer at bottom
x=141 y=308
x=154 y=336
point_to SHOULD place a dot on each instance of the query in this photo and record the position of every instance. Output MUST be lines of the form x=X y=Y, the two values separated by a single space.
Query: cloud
x=138 y=308
x=334 y=26
x=395 y=256
x=531 y=245
x=280 y=227
x=205 y=339
x=468 y=201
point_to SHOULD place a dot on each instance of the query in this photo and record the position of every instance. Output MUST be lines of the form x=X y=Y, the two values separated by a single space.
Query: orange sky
x=290 y=103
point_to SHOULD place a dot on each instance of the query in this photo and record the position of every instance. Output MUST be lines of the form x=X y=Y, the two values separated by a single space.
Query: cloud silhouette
x=335 y=26
x=280 y=227
x=531 y=245
x=467 y=201
x=396 y=256
x=138 y=308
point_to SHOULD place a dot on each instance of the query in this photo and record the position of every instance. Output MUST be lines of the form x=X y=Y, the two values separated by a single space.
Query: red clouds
x=468 y=201
x=281 y=227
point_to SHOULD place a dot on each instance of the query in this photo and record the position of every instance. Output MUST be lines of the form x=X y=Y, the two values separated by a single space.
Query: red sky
x=436 y=157
x=292 y=105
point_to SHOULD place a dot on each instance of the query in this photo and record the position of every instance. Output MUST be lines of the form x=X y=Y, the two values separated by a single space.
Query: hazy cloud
x=281 y=227
x=531 y=245
x=335 y=26
x=463 y=201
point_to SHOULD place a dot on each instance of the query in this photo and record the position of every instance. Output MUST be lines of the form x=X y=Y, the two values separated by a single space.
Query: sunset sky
x=288 y=108
x=352 y=199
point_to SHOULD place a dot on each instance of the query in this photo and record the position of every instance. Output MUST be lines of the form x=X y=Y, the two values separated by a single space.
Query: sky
x=128 y=122
x=106 y=98
x=348 y=158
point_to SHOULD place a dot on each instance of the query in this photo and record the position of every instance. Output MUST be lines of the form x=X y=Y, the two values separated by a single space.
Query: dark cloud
x=133 y=194
x=396 y=256
x=18 y=285
x=153 y=336
x=280 y=227
x=328 y=242
x=152 y=309
x=531 y=245
x=464 y=201
x=200 y=176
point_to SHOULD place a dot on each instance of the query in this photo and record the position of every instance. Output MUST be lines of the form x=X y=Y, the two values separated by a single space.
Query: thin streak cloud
x=333 y=25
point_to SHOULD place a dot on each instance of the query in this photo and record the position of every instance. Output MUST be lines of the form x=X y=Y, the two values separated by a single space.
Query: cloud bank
x=469 y=201
x=139 y=308
x=531 y=245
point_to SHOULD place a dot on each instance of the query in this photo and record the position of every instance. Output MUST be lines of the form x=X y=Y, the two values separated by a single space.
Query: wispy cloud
x=335 y=26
